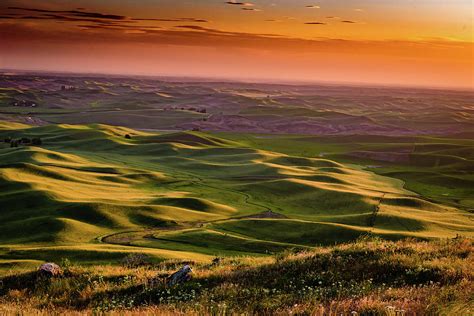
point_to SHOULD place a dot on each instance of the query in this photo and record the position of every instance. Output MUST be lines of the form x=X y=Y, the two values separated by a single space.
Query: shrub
x=136 y=260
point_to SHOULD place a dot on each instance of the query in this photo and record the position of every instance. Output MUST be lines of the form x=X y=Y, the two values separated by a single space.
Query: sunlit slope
x=90 y=181
x=440 y=168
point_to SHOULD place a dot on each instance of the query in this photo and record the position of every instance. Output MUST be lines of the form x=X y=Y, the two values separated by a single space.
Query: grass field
x=440 y=168
x=368 y=277
x=91 y=195
x=284 y=184
x=303 y=224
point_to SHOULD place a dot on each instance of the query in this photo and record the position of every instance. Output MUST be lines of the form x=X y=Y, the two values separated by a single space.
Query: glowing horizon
x=421 y=43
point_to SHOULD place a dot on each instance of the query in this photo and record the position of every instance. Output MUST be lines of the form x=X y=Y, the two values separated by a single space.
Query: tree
x=25 y=140
x=36 y=141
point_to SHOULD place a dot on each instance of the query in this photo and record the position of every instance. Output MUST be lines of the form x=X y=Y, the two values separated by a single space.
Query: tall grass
x=369 y=277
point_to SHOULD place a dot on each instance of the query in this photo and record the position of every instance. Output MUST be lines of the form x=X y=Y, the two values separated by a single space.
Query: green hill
x=193 y=195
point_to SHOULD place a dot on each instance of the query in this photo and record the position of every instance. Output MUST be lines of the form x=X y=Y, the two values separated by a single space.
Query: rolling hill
x=90 y=194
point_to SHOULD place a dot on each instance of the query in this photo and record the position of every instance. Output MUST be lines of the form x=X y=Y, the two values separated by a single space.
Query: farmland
x=299 y=181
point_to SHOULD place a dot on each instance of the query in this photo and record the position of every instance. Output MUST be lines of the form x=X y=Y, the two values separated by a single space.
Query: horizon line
x=269 y=81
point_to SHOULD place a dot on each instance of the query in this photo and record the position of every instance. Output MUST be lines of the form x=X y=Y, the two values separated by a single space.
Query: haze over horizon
x=419 y=43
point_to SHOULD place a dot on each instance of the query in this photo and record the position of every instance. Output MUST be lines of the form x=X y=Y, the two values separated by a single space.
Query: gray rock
x=180 y=276
x=50 y=269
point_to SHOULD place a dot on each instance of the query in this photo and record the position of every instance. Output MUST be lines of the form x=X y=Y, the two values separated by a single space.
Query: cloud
x=251 y=9
x=315 y=23
x=172 y=20
x=348 y=21
x=212 y=31
x=74 y=13
x=85 y=16
x=233 y=2
x=197 y=28
x=57 y=17
x=31 y=38
x=120 y=27
x=313 y=7
x=13 y=34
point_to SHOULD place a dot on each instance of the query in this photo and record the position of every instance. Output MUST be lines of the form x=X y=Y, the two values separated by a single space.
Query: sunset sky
x=403 y=42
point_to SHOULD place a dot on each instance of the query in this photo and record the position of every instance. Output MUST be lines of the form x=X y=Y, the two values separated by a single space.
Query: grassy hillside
x=89 y=193
x=439 y=168
x=368 y=277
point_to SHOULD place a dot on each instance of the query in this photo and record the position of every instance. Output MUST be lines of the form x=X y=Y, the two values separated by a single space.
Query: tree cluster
x=23 y=141
x=193 y=109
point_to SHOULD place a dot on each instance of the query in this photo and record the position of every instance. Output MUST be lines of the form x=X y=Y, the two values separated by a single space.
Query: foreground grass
x=369 y=276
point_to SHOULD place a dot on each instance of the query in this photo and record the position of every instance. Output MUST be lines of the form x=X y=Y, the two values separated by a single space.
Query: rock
x=50 y=269
x=180 y=276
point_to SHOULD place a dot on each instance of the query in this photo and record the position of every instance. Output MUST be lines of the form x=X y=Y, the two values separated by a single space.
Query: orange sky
x=405 y=42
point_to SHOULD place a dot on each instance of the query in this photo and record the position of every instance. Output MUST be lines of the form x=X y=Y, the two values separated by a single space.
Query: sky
x=388 y=42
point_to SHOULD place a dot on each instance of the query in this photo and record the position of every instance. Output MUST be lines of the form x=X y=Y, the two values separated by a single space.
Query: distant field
x=92 y=195
x=177 y=104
